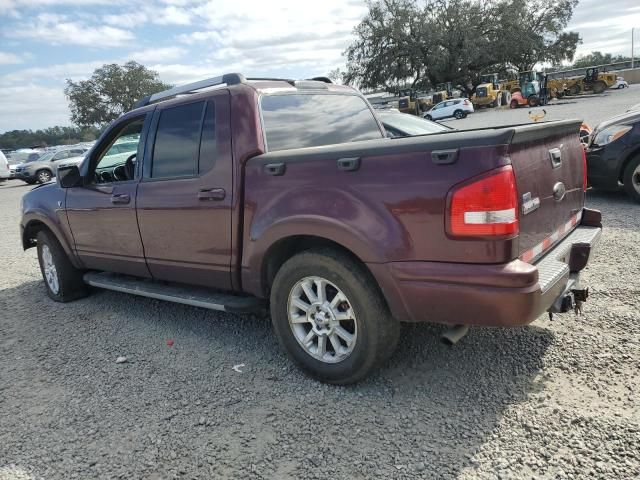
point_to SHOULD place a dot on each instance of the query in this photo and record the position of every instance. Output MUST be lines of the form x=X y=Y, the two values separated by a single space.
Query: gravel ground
x=555 y=400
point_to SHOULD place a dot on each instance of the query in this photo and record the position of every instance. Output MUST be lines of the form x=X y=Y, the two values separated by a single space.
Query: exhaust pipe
x=454 y=334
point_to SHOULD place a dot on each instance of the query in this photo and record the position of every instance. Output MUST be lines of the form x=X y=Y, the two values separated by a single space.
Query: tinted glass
x=175 y=153
x=410 y=124
x=61 y=155
x=296 y=121
x=208 y=144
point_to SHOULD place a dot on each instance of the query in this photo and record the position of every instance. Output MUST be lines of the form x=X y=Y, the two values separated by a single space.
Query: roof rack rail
x=270 y=79
x=321 y=79
x=228 y=79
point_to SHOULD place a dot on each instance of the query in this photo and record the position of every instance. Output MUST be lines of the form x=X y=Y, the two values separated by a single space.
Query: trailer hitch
x=580 y=296
x=571 y=299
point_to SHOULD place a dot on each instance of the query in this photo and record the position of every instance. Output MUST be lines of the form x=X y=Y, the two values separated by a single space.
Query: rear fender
x=365 y=232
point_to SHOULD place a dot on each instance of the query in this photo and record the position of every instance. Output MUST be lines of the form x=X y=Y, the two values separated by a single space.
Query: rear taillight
x=584 y=169
x=486 y=207
x=466 y=102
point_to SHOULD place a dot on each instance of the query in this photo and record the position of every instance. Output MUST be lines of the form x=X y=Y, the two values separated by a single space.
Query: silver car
x=43 y=169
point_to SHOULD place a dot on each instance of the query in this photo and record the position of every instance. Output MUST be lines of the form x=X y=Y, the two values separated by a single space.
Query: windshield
x=45 y=157
x=410 y=124
x=312 y=120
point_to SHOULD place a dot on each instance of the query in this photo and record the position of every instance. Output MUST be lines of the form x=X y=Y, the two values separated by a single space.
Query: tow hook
x=571 y=300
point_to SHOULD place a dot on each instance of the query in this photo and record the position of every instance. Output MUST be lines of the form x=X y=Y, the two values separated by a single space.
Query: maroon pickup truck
x=237 y=194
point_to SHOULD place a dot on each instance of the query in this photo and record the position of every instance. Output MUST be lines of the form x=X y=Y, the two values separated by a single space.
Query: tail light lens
x=584 y=169
x=486 y=207
x=466 y=102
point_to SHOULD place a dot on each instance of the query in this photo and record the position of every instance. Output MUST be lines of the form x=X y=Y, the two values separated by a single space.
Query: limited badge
x=529 y=204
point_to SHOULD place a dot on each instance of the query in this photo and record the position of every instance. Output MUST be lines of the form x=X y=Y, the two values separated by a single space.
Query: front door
x=102 y=212
x=185 y=196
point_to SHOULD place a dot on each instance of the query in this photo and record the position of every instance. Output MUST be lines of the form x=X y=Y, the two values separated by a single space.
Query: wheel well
x=31 y=233
x=626 y=162
x=284 y=249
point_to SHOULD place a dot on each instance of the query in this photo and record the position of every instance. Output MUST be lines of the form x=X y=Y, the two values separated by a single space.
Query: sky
x=44 y=42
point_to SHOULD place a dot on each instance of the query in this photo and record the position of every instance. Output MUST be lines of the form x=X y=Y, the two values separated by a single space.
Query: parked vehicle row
x=289 y=195
x=43 y=168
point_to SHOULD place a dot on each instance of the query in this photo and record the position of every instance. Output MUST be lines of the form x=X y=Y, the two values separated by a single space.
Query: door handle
x=120 y=198
x=212 y=194
x=275 y=169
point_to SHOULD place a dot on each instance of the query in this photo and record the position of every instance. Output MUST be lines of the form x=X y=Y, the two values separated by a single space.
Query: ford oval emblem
x=559 y=191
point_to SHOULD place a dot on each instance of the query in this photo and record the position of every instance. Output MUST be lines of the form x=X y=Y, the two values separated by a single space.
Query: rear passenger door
x=185 y=197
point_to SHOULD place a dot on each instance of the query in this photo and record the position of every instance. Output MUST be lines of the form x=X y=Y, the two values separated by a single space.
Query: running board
x=177 y=293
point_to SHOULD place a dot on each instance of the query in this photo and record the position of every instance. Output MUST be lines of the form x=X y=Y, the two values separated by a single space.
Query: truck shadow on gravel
x=424 y=415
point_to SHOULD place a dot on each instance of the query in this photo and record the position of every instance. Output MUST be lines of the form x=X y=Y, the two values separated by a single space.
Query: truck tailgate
x=549 y=168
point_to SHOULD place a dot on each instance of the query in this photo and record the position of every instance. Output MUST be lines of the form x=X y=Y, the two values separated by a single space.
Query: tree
x=532 y=32
x=391 y=48
x=49 y=136
x=419 y=44
x=111 y=91
x=598 y=58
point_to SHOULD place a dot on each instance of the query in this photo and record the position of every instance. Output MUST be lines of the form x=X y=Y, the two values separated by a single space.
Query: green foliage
x=49 y=136
x=420 y=44
x=598 y=58
x=111 y=91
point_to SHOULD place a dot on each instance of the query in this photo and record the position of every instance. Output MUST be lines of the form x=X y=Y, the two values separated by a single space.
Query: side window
x=208 y=143
x=60 y=155
x=177 y=143
x=77 y=152
x=115 y=163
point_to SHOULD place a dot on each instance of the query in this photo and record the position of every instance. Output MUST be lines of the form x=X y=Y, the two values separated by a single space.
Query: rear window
x=312 y=120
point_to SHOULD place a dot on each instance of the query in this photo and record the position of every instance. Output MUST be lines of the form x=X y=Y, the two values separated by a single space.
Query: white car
x=620 y=83
x=457 y=108
x=4 y=168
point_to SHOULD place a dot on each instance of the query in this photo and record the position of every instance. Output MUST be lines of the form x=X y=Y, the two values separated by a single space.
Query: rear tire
x=353 y=346
x=631 y=179
x=62 y=280
x=574 y=89
x=459 y=114
x=43 y=176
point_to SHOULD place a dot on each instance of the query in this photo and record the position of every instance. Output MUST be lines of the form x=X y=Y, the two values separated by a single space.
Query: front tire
x=330 y=317
x=631 y=179
x=43 y=176
x=62 y=280
x=428 y=117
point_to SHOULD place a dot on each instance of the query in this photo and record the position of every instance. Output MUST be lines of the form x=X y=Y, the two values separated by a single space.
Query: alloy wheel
x=50 y=271
x=322 y=319
x=44 y=176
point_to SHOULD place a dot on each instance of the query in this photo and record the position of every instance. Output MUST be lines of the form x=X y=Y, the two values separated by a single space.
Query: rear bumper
x=511 y=294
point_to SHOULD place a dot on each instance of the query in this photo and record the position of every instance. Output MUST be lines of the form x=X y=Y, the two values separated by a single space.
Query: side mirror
x=69 y=176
